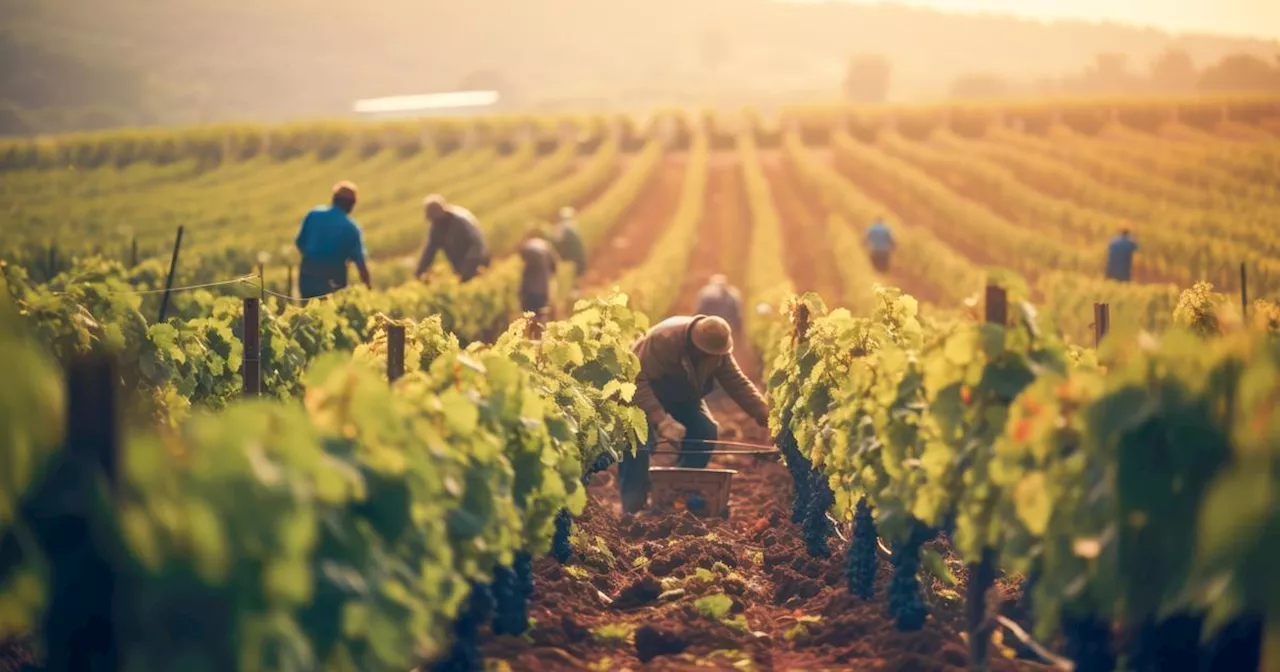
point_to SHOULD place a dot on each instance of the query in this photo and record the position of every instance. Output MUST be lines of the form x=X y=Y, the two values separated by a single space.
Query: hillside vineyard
x=992 y=455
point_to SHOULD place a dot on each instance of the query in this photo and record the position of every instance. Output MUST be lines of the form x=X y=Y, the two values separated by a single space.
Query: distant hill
x=93 y=64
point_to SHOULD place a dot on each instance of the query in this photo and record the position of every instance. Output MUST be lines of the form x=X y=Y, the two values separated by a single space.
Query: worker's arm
x=429 y=253
x=363 y=269
x=579 y=253
x=741 y=390
x=301 y=241
x=358 y=254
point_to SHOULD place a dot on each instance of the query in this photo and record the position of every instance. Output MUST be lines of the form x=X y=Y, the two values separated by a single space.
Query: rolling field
x=957 y=466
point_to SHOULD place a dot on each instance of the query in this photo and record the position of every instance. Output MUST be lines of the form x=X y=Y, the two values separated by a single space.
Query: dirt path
x=787 y=610
x=619 y=169
x=629 y=242
x=921 y=214
x=724 y=239
x=804 y=223
x=900 y=274
x=631 y=595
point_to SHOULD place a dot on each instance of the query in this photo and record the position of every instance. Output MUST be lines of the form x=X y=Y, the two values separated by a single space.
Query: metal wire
x=220 y=283
x=286 y=297
x=758 y=449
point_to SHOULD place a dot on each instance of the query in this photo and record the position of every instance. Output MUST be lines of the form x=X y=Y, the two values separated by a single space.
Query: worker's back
x=720 y=300
x=329 y=237
x=539 y=266
x=568 y=243
x=879 y=238
x=1120 y=257
x=457 y=233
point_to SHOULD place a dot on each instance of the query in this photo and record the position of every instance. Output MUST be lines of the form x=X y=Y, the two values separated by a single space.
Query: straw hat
x=713 y=336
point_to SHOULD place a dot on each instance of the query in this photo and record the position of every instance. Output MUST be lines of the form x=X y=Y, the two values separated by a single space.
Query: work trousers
x=532 y=302
x=880 y=260
x=633 y=472
x=316 y=280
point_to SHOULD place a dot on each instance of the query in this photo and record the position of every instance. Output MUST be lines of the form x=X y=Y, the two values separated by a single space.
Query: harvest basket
x=704 y=492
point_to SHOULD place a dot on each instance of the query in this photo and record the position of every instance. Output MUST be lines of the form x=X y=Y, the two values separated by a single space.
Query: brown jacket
x=668 y=375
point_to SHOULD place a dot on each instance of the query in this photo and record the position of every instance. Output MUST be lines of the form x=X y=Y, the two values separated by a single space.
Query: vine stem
x=982 y=575
x=1271 y=644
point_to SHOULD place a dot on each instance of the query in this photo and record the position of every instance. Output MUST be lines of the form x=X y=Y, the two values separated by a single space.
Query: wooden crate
x=678 y=487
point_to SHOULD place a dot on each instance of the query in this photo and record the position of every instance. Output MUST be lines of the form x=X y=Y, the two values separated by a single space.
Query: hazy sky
x=1260 y=18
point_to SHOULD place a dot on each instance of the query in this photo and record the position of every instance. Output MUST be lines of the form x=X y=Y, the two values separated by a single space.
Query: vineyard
x=991 y=457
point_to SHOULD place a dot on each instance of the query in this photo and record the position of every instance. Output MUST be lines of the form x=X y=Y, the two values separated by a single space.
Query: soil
x=899 y=274
x=16 y=655
x=786 y=610
x=636 y=606
x=920 y=214
x=630 y=240
x=618 y=169
x=724 y=236
x=809 y=260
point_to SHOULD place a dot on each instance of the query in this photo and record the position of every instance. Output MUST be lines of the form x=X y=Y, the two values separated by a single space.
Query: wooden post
x=1101 y=322
x=93 y=433
x=168 y=283
x=53 y=260
x=997 y=305
x=982 y=574
x=79 y=622
x=133 y=252
x=1244 y=291
x=395 y=352
x=252 y=371
x=262 y=282
x=288 y=286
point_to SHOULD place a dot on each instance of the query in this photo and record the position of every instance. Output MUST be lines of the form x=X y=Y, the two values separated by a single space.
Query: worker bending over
x=1120 y=257
x=880 y=243
x=681 y=360
x=457 y=232
x=569 y=243
x=327 y=240
x=722 y=300
x=539 y=268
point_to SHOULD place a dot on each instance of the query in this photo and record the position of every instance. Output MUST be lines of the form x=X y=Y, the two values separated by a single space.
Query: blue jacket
x=329 y=238
x=1120 y=258
x=879 y=239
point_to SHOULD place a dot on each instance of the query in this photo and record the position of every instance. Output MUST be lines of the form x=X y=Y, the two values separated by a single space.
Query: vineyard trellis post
x=133 y=252
x=1244 y=290
x=395 y=352
x=982 y=574
x=83 y=600
x=173 y=269
x=53 y=260
x=252 y=366
x=1101 y=322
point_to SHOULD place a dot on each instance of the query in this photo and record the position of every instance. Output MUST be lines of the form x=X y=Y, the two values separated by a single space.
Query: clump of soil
x=652 y=642
x=642 y=591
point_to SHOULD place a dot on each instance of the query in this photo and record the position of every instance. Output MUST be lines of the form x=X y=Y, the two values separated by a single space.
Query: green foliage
x=344 y=531
x=1138 y=481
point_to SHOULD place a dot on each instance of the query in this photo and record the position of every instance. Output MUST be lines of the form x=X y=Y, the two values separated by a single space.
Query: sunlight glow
x=1256 y=18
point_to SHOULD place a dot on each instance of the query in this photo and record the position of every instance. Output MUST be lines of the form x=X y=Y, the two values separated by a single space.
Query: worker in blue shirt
x=1120 y=257
x=328 y=239
x=880 y=243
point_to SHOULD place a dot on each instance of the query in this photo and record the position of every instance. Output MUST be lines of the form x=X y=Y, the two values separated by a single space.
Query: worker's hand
x=670 y=431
